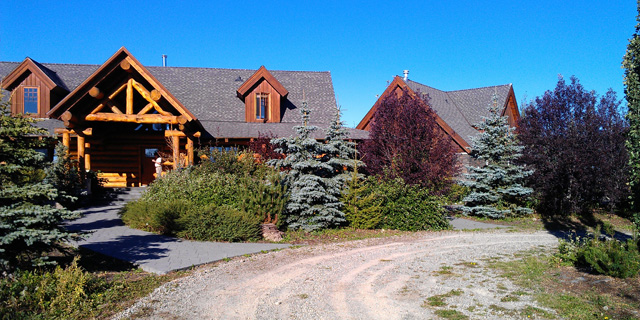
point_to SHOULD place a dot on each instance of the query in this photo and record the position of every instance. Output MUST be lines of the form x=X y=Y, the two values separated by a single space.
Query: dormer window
x=30 y=100
x=263 y=97
x=262 y=105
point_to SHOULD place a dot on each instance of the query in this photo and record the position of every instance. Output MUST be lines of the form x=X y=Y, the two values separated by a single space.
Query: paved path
x=152 y=252
x=464 y=224
x=162 y=254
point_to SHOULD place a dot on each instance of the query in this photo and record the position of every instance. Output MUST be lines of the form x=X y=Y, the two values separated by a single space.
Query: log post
x=176 y=150
x=87 y=156
x=189 y=151
x=81 y=152
x=129 y=108
x=65 y=141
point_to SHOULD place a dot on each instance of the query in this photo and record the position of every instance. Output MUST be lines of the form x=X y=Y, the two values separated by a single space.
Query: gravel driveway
x=388 y=278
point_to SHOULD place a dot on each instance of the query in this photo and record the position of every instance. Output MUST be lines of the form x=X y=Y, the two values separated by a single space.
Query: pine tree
x=313 y=192
x=29 y=224
x=496 y=187
x=340 y=153
x=631 y=64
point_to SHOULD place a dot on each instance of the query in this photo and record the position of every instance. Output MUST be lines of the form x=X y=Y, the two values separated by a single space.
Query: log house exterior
x=114 y=116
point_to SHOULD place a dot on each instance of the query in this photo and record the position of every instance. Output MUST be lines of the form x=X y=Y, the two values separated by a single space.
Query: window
x=262 y=103
x=30 y=100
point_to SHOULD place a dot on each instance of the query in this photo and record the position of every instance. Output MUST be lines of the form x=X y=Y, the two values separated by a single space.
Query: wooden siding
x=273 y=111
x=44 y=95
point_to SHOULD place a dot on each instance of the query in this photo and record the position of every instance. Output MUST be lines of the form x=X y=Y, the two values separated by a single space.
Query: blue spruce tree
x=496 y=185
x=29 y=223
x=313 y=192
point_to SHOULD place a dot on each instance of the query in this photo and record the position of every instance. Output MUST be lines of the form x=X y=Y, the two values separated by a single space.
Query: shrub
x=361 y=204
x=409 y=207
x=220 y=223
x=265 y=199
x=68 y=293
x=612 y=258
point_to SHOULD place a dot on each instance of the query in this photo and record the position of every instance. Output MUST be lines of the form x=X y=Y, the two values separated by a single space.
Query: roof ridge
x=167 y=67
x=485 y=87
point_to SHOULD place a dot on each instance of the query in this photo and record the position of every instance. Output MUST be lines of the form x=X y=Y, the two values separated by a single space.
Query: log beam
x=155 y=95
x=126 y=66
x=146 y=109
x=95 y=92
x=147 y=96
x=85 y=132
x=171 y=133
x=135 y=118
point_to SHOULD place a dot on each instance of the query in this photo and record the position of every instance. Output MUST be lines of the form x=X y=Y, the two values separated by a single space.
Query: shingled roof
x=210 y=94
x=463 y=109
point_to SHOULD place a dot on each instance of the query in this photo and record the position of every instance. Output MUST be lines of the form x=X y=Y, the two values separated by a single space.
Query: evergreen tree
x=313 y=191
x=340 y=153
x=29 y=224
x=496 y=185
x=631 y=64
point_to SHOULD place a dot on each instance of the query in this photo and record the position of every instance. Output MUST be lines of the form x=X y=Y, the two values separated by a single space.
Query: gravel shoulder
x=385 y=278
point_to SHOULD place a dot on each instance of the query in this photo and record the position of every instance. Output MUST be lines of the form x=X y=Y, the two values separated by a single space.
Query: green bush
x=265 y=199
x=612 y=257
x=68 y=293
x=409 y=207
x=220 y=224
x=361 y=204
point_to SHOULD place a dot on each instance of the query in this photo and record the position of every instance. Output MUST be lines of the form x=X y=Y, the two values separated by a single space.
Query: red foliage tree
x=574 y=141
x=405 y=141
x=262 y=146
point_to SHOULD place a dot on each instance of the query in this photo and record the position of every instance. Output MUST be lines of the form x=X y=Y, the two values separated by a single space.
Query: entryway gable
x=121 y=90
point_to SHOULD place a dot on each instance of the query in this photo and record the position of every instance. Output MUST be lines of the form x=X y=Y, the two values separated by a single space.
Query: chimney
x=406 y=74
x=164 y=60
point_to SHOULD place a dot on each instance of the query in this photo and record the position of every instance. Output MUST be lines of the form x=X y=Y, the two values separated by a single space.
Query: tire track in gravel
x=369 y=279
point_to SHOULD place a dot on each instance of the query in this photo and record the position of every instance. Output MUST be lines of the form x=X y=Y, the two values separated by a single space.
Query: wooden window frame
x=24 y=100
x=260 y=113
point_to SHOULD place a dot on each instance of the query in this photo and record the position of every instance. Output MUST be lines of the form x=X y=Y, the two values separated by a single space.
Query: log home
x=113 y=117
x=457 y=112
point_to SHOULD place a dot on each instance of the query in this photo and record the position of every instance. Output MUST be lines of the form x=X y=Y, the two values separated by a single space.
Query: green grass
x=451 y=314
x=438 y=300
x=536 y=272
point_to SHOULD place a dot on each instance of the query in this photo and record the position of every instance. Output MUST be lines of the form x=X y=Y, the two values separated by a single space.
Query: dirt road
x=409 y=277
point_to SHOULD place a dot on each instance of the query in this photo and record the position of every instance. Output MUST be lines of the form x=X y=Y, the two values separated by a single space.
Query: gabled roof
x=210 y=94
x=464 y=109
x=105 y=69
x=461 y=110
x=27 y=66
x=254 y=80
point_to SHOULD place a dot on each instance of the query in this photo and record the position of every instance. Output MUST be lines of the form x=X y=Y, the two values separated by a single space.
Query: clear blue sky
x=448 y=45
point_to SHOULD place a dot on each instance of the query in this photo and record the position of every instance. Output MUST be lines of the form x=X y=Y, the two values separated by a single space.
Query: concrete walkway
x=465 y=224
x=151 y=252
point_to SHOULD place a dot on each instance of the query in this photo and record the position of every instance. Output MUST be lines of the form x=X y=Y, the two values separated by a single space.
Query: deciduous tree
x=574 y=141
x=405 y=141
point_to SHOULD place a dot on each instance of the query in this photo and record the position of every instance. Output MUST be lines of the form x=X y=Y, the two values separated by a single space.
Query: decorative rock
x=270 y=232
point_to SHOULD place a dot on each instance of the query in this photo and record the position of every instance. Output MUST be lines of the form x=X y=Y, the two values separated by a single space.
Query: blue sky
x=449 y=45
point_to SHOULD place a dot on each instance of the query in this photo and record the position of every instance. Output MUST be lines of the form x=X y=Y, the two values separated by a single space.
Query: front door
x=147 y=167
